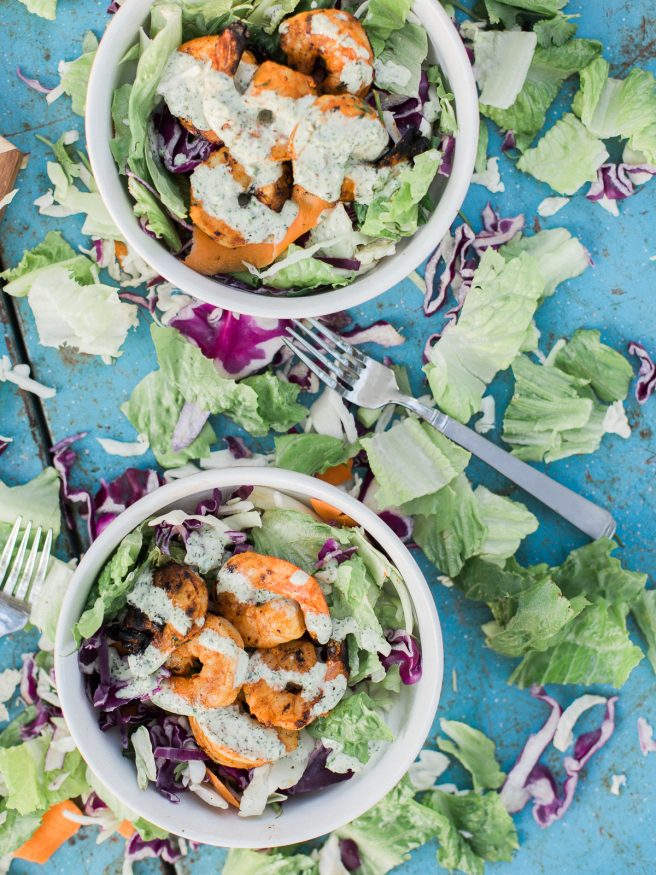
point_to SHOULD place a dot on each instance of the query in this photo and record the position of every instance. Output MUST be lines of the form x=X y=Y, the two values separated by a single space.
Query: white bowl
x=446 y=48
x=308 y=815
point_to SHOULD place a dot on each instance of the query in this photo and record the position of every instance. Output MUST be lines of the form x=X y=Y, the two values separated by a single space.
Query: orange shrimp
x=332 y=45
x=231 y=737
x=255 y=583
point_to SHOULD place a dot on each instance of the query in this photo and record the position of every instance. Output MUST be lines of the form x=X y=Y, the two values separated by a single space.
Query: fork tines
x=329 y=356
x=18 y=579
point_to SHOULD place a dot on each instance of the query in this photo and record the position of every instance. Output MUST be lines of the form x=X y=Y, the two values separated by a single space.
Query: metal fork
x=367 y=383
x=21 y=580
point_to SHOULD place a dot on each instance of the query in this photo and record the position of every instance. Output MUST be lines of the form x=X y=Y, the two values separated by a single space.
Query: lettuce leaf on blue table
x=559 y=256
x=475 y=751
x=37 y=500
x=644 y=613
x=312 y=453
x=493 y=327
x=387 y=833
x=244 y=862
x=566 y=157
x=592 y=571
x=42 y=8
x=607 y=371
x=53 y=251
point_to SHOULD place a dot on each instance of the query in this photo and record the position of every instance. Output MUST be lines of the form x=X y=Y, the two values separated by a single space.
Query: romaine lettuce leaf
x=502 y=60
x=472 y=828
x=383 y=18
x=586 y=357
x=245 y=862
x=74 y=75
x=353 y=600
x=308 y=273
x=554 y=31
x=16 y=829
x=492 y=328
x=395 y=210
x=594 y=648
x=294 y=536
x=53 y=250
x=37 y=500
x=277 y=407
x=386 y=833
x=506 y=12
x=506 y=524
x=148 y=208
x=448 y=540
x=410 y=460
x=592 y=571
x=120 y=142
x=475 y=751
x=559 y=256
x=350 y=728
x=566 y=157
x=42 y=8
x=549 y=69
x=312 y=453
x=644 y=613
x=484 y=581
x=29 y=789
x=398 y=65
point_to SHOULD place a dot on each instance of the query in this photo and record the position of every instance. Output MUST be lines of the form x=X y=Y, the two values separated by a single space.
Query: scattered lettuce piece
x=644 y=613
x=120 y=142
x=549 y=69
x=585 y=356
x=74 y=75
x=308 y=273
x=554 y=31
x=506 y=524
x=148 y=208
x=492 y=329
x=566 y=157
x=502 y=60
x=410 y=460
x=475 y=751
x=42 y=8
x=594 y=648
x=472 y=828
x=387 y=832
x=559 y=256
x=244 y=862
x=28 y=786
x=37 y=500
x=53 y=250
x=312 y=453
x=395 y=211
x=592 y=571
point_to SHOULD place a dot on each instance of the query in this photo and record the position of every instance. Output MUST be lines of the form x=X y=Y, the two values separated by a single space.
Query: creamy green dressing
x=356 y=73
x=233 y=728
x=212 y=640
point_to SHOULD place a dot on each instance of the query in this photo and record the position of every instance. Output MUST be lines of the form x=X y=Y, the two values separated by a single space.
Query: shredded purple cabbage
x=616 y=182
x=241 y=778
x=317 y=775
x=340 y=263
x=180 y=150
x=332 y=550
x=4 y=444
x=45 y=711
x=237 y=447
x=448 y=149
x=399 y=523
x=405 y=653
x=349 y=854
x=238 y=344
x=114 y=497
x=34 y=84
x=63 y=459
x=509 y=141
x=190 y=423
x=166 y=849
x=646 y=375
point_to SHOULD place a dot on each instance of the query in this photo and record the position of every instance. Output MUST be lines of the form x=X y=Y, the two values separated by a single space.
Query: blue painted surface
x=601 y=833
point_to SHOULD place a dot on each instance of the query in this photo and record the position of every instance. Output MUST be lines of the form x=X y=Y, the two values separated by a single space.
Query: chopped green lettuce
x=549 y=69
x=268 y=14
x=554 y=31
x=74 y=75
x=502 y=61
x=644 y=613
x=294 y=536
x=120 y=142
x=53 y=250
x=37 y=500
x=16 y=829
x=566 y=157
x=42 y=8
x=147 y=207
x=276 y=404
x=484 y=581
x=594 y=648
x=411 y=460
x=472 y=828
x=559 y=256
x=395 y=210
x=353 y=600
x=506 y=524
x=592 y=571
x=351 y=730
x=448 y=539
x=312 y=453
x=307 y=273
x=507 y=12
x=398 y=66
x=245 y=862
x=493 y=326
x=585 y=356
x=387 y=833
x=383 y=18
x=475 y=751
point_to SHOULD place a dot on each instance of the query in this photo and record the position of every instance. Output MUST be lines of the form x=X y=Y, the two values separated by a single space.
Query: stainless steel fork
x=367 y=383
x=21 y=579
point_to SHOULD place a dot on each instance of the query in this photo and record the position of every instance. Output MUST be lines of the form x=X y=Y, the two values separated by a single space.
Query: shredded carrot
x=222 y=790
x=338 y=474
x=330 y=514
x=55 y=829
x=126 y=829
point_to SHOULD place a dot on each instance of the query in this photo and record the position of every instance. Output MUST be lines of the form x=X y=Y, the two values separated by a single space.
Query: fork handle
x=595 y=521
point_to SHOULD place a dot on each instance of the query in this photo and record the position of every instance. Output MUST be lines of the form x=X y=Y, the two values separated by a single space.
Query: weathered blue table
x=601 y=833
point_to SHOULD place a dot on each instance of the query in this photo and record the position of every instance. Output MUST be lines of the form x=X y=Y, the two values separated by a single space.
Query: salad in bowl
x=282 y=148
x=246 y=652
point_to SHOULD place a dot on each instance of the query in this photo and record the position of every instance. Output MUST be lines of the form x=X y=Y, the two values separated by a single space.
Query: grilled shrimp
x=231 y=737
x=337 y=130
x=254 y=591
x=225 y=208
x=218 y=647
x=332 y=45
x=224 y=52
x=165 y=609
x=288 y=687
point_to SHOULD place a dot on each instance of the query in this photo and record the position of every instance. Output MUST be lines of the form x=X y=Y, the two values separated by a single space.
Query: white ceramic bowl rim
x=452 y=57
x=306 y=816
